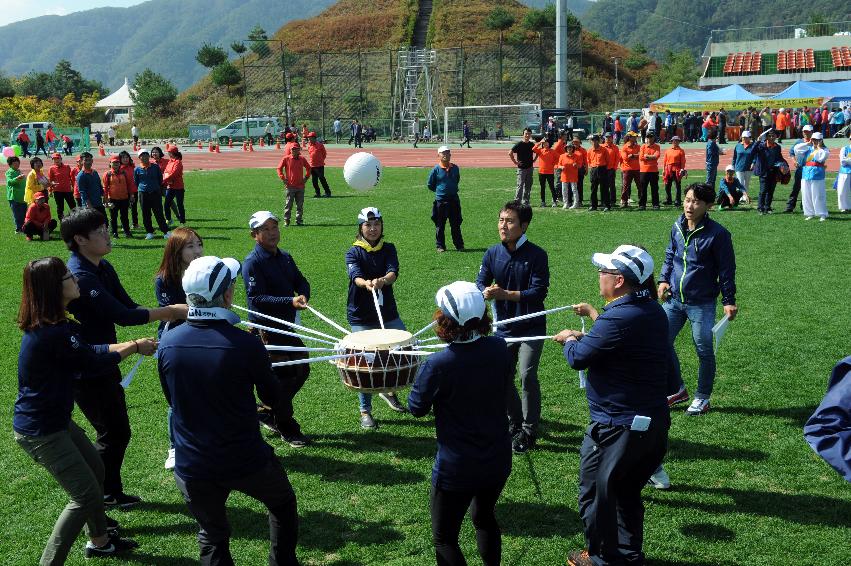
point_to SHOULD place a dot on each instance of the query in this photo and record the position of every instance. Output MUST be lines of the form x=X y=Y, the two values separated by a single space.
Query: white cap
x=807 y=128
x=746 y=134
x=443 y=148
x=729 y=168
x=461 y=301
x=141 y=151
x=363 y=215
x=817 y=136
x=259 y=218
x=783 y=110
x=209 y=277
x=631 y=261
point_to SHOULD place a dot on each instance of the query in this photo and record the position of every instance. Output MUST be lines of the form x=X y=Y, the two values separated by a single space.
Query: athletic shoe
x=367 y=422
x=441 y=250
x=296 y=441
x=115 y=235
x=522 y=442
x=128 y=235
x=698 y=407
x=592 y=208
x=822 y=219
x=573 y=206
x=680 y=396
x=121 y=500
x=642 y=208
x=808 y=218
x=657 y=208
x=565 y=207
x=579 y=558
x=149 y=236
x=660 y=479
x=166 y=236
x=286 y=222
x=115 y=546
x=112 y=527
x=169 y=461
x=393 y=402
x=267 y=420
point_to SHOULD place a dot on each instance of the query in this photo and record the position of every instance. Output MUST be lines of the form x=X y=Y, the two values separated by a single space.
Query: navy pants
x=441 y=211
x=447 y=513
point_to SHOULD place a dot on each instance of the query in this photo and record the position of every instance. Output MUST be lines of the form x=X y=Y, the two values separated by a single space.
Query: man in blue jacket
x=712 y=157
x=515 y=274
x=443 y=182
x=699 y=263
x=274 y=286
x=209 y=370
x=828 y=430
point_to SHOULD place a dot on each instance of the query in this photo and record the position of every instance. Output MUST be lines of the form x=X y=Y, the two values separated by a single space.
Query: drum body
x=371 y=368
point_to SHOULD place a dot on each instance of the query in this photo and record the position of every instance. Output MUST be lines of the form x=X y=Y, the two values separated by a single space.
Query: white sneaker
x=565 y=207
x=822 y=219
x=166 y=236
x=573 y=206
x=169 y=461
x=808 y=218
x=698 y=407
x=149 y=236
x=660 y=479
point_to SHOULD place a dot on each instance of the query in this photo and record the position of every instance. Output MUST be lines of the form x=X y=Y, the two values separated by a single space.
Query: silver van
x=249 y=126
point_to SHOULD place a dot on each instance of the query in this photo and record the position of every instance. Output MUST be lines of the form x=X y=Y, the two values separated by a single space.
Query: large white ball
x=362 y=171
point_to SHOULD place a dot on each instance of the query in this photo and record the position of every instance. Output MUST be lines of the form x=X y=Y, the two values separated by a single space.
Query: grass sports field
x=747 y=488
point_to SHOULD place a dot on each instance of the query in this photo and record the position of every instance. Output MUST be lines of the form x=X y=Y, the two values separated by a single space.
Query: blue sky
x=16 y=10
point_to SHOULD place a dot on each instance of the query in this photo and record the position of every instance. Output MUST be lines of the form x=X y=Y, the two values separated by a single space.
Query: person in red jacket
x=50 y=138
x=116 y=193
x=317 y=153
x=69 y=144
x=61 y=185
x=127 y=167
x=38 y=221
x=674 y=169
x=294 y=170
x=291 y=141
x=173 y=183
x=648 y=167
x=24 y=142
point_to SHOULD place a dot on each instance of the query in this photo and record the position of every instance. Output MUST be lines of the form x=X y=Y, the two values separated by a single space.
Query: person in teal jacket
x=15 y=188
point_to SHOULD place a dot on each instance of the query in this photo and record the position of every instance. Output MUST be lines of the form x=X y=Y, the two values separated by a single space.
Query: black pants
x=724 y=202
x=102 y=209
x=338 y=136
x=290 y=381
x=69 y=148
x=441 y=211
x=61 y=199
x=465 y=140
x=175 y=197
x=134 y=208
x=679 y=183
x=122 y=207
x=40 y=147
x=31 y=229
x=615 y=464
x=613 y=197
x=629 y=175
x=270 y=486
x=796 y=189
x=318 y=176
x=767 y=184
x=599 y=180
x=580 y=183
x=447 y=513
x=25 y=149
x=547 y=179
x=645 y=179
x=102 y=401
x=152 y=203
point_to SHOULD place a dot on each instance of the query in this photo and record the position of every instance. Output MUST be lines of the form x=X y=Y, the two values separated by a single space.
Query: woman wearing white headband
x=813 y=196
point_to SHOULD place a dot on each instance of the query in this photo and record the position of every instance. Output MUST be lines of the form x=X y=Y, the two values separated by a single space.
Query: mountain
x=673 y=25
x=108 y=44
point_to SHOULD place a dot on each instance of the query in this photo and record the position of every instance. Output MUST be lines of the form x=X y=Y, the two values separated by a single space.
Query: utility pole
x=561 y=54
x=616 y=61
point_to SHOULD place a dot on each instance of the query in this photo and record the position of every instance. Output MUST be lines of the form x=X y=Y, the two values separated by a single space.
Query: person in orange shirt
x=60 y=185
x=294 y=171
x=317 y=154
x=38 y=221
x=291 y=141
x=568 y=162
x=116 y=192
x=611 y=169
x=781 y=122
x=304 y=132
x=598 y=159
x=648 y=167
x=74 y=172
x=674 y=169
x=629 y=167
x=175 y=190
x=547 y=159
x=581 y=155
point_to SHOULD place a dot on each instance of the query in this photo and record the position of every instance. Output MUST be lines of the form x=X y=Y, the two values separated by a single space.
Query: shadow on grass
x=380 y=442
x=797 y=416
x=708 y=532
x=801 y=509
x=679 y=449
x=362 y=473
x=559 y=437
x=328 y=532
x=142 y=558
x=537 y=520
x=679 y=562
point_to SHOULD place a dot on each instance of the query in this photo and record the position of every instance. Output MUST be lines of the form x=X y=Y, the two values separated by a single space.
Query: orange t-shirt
x=569 y=164
x=614 y=156
x=547 y=159
x=115 y=185
x=581 y=156
x=675 y=157
x=652 y=152
x=629 y=157
x=598 y=157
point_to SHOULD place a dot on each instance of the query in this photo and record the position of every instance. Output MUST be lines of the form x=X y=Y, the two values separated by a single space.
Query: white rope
x=128 y=379
x=298 y=349
x=287 y=323
x=377 y=307
x=311 y=360
x=284 y=332
x=432 y=346
x=582 y=375
x=527 y=339
x=410 y=353
x=427 y=327
x=531 y=315
x=432 y=339
x=328 y=320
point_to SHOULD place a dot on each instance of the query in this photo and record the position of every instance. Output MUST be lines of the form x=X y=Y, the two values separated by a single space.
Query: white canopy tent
x=118 y=105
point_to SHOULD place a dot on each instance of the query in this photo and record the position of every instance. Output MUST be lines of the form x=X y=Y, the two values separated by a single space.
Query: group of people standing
x=47 y=142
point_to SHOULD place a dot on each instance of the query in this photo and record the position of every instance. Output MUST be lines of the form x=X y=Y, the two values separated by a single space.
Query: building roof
x=118 y=99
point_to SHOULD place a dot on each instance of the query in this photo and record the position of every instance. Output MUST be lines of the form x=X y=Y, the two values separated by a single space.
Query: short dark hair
x=80 y=222
x=13 y=159
x=702 y=191
x=86 y=154
x=449 y=330
x=523 y=211
x=35 y=160
x=527 y=130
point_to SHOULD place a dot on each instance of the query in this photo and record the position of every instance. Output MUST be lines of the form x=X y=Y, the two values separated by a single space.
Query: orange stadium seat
x=781 y=60
x=746 y=62
x=810 y=58
x=756 y=62
x=728 y=64
x=836 y=57
x=846 y=57
x=800 y=59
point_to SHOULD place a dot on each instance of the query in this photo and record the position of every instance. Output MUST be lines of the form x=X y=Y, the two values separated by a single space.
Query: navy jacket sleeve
x=828 y=430
x=432 y=179
x=485 y=276
x=391 y=262
x=117 y=305
x=353 y=264
x=79 y=355
x=256 y=287
x=539 y=283
x=424 y=390
x=264 y=380
x=164 y=299
x=668 y=265
x=725 y=258
x=602 y=338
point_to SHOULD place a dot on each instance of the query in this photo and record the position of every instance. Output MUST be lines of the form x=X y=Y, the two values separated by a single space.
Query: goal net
x=490 y=123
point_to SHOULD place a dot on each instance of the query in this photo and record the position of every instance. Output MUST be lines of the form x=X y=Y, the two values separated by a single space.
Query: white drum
x=371 y=368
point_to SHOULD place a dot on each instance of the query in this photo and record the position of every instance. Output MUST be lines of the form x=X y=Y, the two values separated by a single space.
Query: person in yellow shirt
x=37 y=181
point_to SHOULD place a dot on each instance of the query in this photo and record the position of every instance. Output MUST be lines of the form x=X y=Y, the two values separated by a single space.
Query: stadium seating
x=788 y=61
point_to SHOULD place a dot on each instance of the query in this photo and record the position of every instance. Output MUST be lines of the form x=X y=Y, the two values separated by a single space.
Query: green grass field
x=747 y=488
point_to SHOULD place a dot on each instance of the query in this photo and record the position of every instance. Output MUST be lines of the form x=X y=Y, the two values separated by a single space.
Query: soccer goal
x=490 y=123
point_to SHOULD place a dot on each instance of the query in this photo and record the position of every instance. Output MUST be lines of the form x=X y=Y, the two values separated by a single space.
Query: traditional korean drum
x=371 y=367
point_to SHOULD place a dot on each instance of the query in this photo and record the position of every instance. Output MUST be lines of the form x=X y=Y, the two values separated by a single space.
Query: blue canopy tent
x=732 y=97
x=732 y=92
x=804 y=90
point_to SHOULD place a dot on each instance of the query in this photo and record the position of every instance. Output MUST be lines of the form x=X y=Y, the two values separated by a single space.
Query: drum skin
x=371 y=368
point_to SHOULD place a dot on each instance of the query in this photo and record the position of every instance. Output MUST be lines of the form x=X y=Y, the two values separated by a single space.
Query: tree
x=211 y=55
x=258 y=41
x=534 y=19
x=152 y=94
x=678 y=69
x=226 y=75
x=7 y=87
x=499 y=19
x=238 y=47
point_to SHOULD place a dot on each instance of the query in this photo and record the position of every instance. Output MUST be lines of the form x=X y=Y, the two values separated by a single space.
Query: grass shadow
x=142 y=558
x=340 y=471
x=380 y=442
x=327 y=532
x=679 y=449
x=559 y=437
x=537 y=520
x=708 y=532
x=797 y=416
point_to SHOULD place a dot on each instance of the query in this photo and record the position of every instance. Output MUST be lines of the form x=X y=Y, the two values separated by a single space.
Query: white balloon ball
x=362 y=171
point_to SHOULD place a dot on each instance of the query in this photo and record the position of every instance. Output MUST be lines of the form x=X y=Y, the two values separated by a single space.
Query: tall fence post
x=321 y=95
x=500 y=67
x=540 y=58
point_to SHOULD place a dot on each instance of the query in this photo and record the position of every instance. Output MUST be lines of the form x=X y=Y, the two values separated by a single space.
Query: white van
x=255 y=126
x=30 y=127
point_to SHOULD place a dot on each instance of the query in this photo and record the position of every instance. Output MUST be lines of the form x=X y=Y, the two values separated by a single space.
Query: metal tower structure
x=414 y=90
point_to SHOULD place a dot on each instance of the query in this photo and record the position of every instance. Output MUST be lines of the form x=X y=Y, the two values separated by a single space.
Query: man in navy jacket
x=515 y=274
x=828 y=430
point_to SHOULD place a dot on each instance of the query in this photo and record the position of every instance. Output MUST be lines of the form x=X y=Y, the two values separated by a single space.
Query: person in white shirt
x=110 y=134
x=338 y=130
x=134 y=131
x=426 y=133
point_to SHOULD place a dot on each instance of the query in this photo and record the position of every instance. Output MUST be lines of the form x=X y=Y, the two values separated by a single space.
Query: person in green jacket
x=15 y=186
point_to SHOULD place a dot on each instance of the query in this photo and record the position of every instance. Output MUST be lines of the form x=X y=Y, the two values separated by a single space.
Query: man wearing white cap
x=627 y=382
x=813 y=197
x=743 y=158
x=843 y=180
x=443 y=182
x=799 y=151
x=209 y=370
x=730 y=191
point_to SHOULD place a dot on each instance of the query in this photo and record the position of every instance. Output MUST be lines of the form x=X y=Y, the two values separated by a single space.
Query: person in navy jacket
x=473 y=446
x=149 y=179
x=275 y=286
x=828 y=430
x=627 y=366
x=209 y=370
x=443 y=182
x=53 y=356
x=515 y=274
x=699 y=264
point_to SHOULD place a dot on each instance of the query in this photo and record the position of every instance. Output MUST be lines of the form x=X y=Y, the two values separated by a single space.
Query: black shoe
x=657 y=207
x=121 y=500
x=592 y=208
x=267 y=420
x=115 y=546
x=327 y=195
x=128 y=235
x=678 y=203
x=317 y=196
x=296 y=440
x=642 y=208
x=667 y=203
x=393 y=402
x=115 y=235
x=522 y=442
x=112 y=527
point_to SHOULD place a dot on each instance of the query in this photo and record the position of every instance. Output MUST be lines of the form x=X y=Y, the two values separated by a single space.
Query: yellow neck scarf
x=365 y=245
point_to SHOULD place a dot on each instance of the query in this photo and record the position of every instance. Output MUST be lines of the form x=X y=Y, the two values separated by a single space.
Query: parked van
x=249 y=126
x=30 y=127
